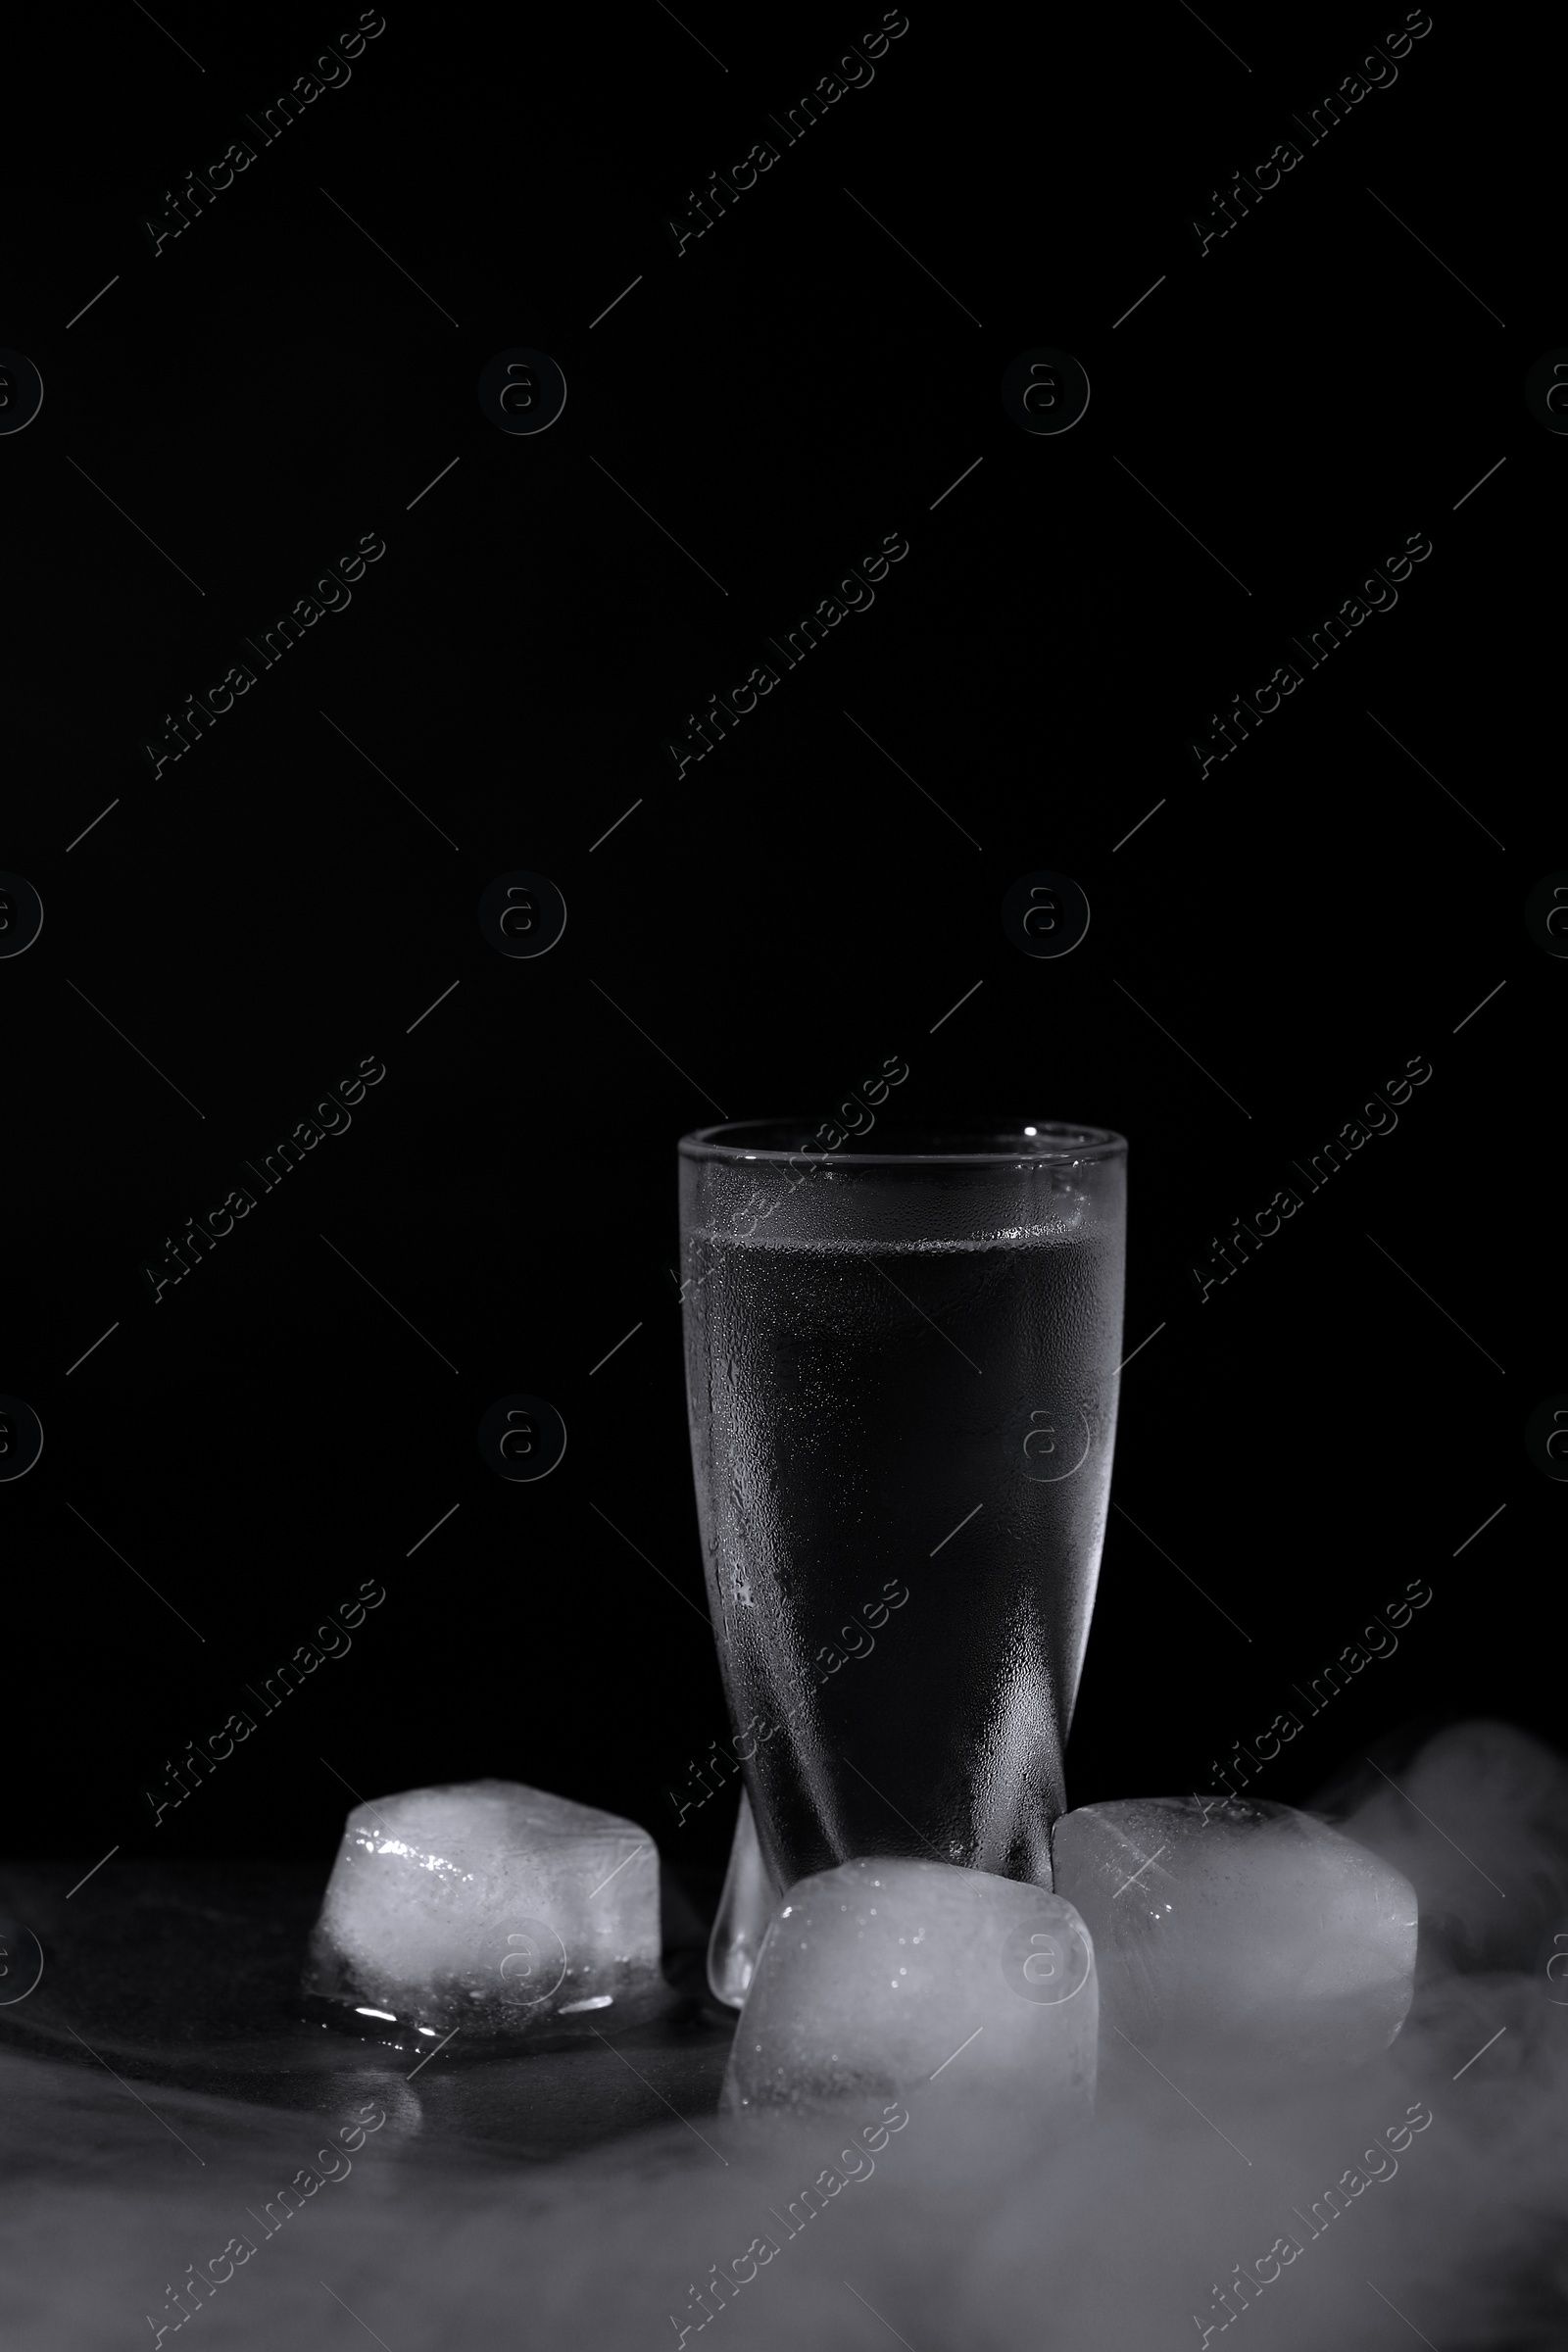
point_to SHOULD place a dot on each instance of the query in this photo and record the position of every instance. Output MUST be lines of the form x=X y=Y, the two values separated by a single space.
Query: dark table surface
x=186 y=1975
x=161 y=2084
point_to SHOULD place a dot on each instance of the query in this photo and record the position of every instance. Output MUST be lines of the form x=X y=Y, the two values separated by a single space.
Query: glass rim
x=737 y=1142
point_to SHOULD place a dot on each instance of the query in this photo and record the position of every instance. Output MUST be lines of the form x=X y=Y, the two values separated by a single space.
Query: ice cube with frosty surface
x=487 y=1905
x=1239 y=1927
x=879 y=1975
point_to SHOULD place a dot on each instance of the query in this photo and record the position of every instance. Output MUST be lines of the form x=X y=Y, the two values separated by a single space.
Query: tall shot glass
x=902 y=1367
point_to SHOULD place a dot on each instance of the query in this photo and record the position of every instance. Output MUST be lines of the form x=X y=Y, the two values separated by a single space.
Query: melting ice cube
x=879 y=1975
x=745 y=1908
x=489 y=1906
x=1241 y=1926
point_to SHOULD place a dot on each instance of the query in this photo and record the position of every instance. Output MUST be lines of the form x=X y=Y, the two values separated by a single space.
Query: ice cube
x=879 y=1975
x=1239 y=1926
x=490 y=1906
x=745 y=1907
x=1477 y=1818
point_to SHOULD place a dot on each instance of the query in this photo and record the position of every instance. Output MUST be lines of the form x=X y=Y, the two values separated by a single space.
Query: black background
x=761 y=933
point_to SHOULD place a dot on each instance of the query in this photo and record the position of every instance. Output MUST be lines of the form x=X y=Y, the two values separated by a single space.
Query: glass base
x=745 y=1908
